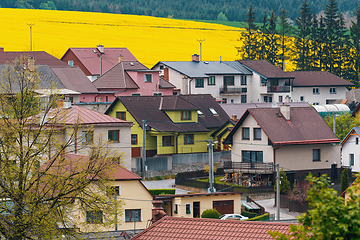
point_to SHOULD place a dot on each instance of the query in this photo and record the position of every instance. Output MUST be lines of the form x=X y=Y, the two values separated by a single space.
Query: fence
x=293 y=205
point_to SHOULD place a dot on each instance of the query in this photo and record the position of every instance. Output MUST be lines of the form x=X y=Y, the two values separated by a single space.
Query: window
x=87 y=136
x=121 y=115
x=316 y=91
x=134 y=139
x=243 y=80
x=211 y=80
x=257 y=133
x=224 y=100
x=71 y=99
x=189 y=139
x=113 y=135
x=188 y=208
x=252 y=156
x=245 y=133
x=231 y=100
x=356 y=141
x=158 y=94
x=228 y=80
x=243 y=98
x=199 y=83
x=200 y=112
x=71 y=63
x=133 y=215
x=351 y=159
x=280 y=98
x=332 y=90
x=316 y=103
x=106 y=98
x=302 y=98
x=176 y=208
x=148 y=78
x=185 y=115
x=270 y=99
x=135 y=94
x=114 y=190
x=213 y=111
x=316 y=155
x=265 y=98
x=168 y=141
x=95 y=216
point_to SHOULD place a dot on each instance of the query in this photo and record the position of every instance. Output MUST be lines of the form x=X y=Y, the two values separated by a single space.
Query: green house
x=176 y=124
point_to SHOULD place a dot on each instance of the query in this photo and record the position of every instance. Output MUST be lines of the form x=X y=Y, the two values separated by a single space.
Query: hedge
x=210 y=213
x=264 y=217
x=165 y=191
x=248 y=214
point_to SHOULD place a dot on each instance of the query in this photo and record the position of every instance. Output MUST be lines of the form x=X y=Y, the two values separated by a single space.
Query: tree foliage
x=344 y=180
x=329 y=217
x=284 y=183
x=343 y=124
x=41 y=187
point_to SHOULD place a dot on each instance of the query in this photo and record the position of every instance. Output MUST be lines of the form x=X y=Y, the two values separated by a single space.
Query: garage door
x=224 y=207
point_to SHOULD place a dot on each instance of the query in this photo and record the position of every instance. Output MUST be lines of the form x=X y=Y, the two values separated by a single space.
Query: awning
x=250 y=206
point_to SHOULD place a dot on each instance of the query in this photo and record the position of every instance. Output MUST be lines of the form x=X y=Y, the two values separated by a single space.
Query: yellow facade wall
x=175 y=116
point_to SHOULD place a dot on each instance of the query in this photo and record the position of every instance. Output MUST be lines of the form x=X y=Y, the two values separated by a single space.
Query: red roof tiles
x=318 y=78
x=41 y=58
x=203 y=228
x=266 y=69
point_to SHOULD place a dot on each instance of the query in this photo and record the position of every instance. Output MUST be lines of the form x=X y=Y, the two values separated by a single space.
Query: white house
x=319 y=88
x=350 y=150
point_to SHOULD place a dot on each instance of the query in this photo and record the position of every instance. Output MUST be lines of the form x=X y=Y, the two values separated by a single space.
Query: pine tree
x=271 y=39
x=285 y=30
x=355 y=44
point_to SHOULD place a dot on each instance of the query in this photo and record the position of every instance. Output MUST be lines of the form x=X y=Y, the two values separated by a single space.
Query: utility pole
x=278 y=191
x=31 y=25
x=200 y=41
x=144 y=149
x=211 y=166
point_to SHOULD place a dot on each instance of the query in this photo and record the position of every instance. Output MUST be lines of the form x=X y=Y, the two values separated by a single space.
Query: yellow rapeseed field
x=150 y=39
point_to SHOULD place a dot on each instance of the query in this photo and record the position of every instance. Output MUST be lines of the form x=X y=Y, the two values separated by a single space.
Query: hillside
x=234 y=10
x=150 y=39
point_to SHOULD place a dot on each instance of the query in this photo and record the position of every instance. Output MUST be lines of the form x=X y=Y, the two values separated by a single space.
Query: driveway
x=268 y=204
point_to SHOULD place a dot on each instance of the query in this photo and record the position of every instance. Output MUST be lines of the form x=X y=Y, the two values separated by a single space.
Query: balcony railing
x=233 y=90
x=278 y=89
x=244 y=166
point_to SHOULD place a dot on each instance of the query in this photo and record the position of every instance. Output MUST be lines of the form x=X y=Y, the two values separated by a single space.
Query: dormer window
x=185 y=115
x=213 y=111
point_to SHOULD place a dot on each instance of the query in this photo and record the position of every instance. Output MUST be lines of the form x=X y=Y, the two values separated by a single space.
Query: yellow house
x=192 y=205
x=174 y=124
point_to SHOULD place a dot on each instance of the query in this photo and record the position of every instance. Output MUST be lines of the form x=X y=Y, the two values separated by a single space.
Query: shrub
x=210 y=213
x=264 y=217
x=165 y=191
x=248 y=214
x=284 y=182
x=344 y=180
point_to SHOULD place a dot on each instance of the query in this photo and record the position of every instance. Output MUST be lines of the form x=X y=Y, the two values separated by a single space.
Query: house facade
x=350 y=150
x=297 y=139
x=319 y=88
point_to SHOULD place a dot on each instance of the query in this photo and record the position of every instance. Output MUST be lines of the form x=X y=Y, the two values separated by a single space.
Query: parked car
x=233 y=217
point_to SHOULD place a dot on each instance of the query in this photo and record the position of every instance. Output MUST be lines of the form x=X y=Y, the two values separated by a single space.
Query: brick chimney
x=157 y=211
x=285 y=111
x=195 y=58
x=120 y=58
x=234 y=117
x=1 y=49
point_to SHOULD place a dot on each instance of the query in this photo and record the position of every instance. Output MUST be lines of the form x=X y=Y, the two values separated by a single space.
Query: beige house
x=192 y=205
x=297 y=139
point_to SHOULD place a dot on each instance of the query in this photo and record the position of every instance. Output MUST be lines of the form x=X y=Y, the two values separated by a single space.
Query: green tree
x=221 y=17
x=343 y=124
x=39 y=191
x=355 y=44
x=329 y=217
x=344 y=180
x=49 y=5
x=285 y=30
x=284 y=183
x=23 y=4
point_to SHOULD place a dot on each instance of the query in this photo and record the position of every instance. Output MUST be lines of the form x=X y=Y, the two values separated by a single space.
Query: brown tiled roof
x=204 y=228
x=41 y=58
x=74 y=79
x=305 y=126
x=165 y=84
x=148 y=108
x=91 y=60
x=318 y=78
x=83 y=116
x=266 y=69
x=116 y=77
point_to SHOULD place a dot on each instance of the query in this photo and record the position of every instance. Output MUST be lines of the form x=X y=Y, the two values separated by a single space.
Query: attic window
x=200 y=112
x=213 y=111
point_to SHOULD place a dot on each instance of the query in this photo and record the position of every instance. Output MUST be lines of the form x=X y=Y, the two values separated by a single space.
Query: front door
x=196 y=209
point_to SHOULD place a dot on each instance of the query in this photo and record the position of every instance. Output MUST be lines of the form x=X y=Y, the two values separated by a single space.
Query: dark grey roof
x=203 y=69
x=238 y=66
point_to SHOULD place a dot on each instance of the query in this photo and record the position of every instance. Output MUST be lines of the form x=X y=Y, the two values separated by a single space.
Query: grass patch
x=217 y=181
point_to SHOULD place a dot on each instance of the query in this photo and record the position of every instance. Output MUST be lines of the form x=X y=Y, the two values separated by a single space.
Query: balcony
x=232 y=90
x=248 y=167
x=278 y=89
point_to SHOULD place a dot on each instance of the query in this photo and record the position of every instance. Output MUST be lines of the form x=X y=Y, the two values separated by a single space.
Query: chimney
x=31 y=64
x=234 y=117
x=285 y=111
x=195 y=58
x=67 y=105
x=287 y=99
x=120 y=58
x=1 y=49
x=157 y=211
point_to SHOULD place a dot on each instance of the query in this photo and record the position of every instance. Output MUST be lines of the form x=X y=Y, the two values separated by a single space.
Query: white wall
x=324 y=94
x=350 y=147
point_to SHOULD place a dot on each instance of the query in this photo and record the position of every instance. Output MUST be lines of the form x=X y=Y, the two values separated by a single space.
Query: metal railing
x=278 y=89
x=248 y=166
x=232 y=90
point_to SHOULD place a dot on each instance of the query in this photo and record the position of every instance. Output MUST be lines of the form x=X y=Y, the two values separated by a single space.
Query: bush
x=344 y=180
x=248 y=214
x=264 y=217
x=210 y=213
x=165 y=191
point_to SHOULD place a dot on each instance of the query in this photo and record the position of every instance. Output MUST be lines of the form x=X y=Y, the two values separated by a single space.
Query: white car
x=233 y=217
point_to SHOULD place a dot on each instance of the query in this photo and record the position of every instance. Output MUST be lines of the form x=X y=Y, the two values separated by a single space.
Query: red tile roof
x=91 y=60
x=266 y=69
x=305 y=126
x=204 y=228
x=41 y=58
x=318 y=78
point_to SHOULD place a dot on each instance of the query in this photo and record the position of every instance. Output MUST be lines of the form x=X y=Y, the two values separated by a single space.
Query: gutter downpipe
x=190 y=85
